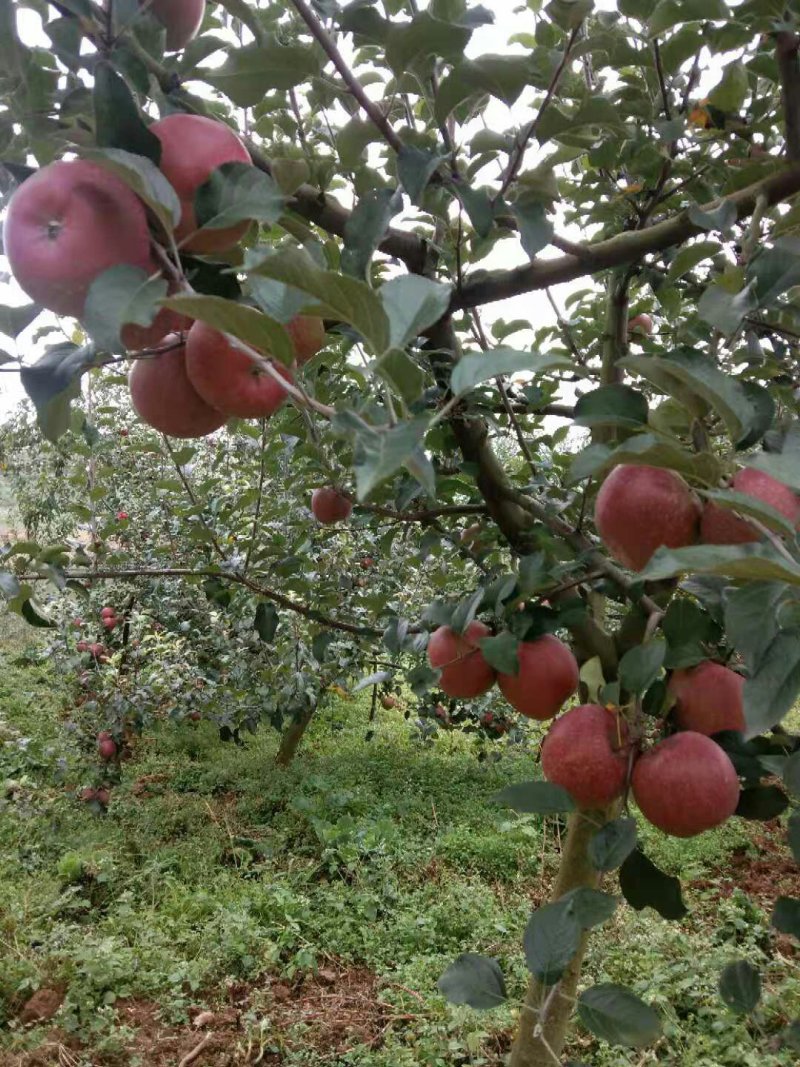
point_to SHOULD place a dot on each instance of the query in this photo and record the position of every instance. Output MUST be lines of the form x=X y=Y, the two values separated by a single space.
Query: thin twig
x=190 y=1057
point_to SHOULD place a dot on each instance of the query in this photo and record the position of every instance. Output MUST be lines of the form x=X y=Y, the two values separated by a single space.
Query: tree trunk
x=539 y=1041
x=291 y=738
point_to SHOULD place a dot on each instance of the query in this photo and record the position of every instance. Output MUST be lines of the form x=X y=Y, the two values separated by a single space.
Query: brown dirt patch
x=330 y=1012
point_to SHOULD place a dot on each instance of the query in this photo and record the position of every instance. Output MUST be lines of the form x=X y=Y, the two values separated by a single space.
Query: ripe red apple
x=103 y=796
x=107 y=612
x=685 y=785
x=329 y=506
x=308 y=337
x=165 y=399
x=83 y=646
x=465 y=673
x=708 y=698
x=586 y=752
x=110 y=622
x=106 y=746
x=87 y=794
x=366 y=563
x=471 y=534
x=77 y=623
x=228 y=379
x=641 y=323
x=122 y=516
x=98 y=650
x=719 y=526
x=548 y=675
x=388 y=702
x=181 y=18
x=638 y=509
x=67 y=224
x=193 y=146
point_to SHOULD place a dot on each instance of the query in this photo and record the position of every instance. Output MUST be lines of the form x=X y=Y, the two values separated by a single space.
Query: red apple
x=107 y=613
x=308 y=337
x=83 y=646
x=182 y=19
x=122 y=516
x=366 y=563
x=471 y=534
x=708 y=698
x=329 y=506
x=465 y=673
x=87 y=794
x=228 y=379
x=641 y=323
x=103 y=796
x=98 y=651
x=193 y=146
x=110 y=622
x=586 y=752
x=77 y=623
x=719 y=526
x=165 y=399
x=685 y=785
x=67 y=224
x=106 y=746
x=639 y=509
x=548 y=675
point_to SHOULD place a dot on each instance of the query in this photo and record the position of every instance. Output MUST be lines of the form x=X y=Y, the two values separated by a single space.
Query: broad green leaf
x=762 y=803
x=643 y=885
x=13 y=320
x=501 y=652
x=612 y=405
x=725 y=310
x=669 y=13
x=245 y=323
x=641 y=665
x=415 y=168
x=535 y=229
x=786 y=916
x=746 y=505
x=266 y=621
x=615 y=1014
x=381 y=453
x=535 y=798
x=412 y=304
x=612 y=844
x=730 y=92
x=144 y=178
x=479 y=367
x=118 y=121
x=501 y=76
x=590 y=907
x=237 y=192
x=772 y=691
x=121 y=294
x=551 y=940
x=367 y=227
x=473 y=980
x=750 y=561
x=53 y=382
x=775 y=270
x=784 y=465
x=335 y=295
x=721 y=217
x=250 y=72
x=690 y=256
x=740 y=987
x=648 y=450
x=568 y=14
x=402 y=374
x=422 y=38
x=352 y=140
x=751 y=618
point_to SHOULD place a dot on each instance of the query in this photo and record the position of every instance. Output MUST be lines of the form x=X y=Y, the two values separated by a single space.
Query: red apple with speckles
x=586 y=753
x=708 y=698
x=165 y=399
x=685 y=785
x=192 y=147
x=329 y=506
x=465 y=672
x=227 y=379
x=639 y=509
x=67 y=224
x=548 y=676
x=720 y=526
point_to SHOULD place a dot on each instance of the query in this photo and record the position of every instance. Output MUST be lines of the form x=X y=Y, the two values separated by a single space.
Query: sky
x=486 y=39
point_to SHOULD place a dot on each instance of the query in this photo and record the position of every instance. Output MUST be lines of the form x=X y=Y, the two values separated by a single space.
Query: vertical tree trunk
x=291 y=738
x=538 y=1040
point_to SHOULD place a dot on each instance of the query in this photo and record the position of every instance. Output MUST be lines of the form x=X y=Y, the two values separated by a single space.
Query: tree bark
x=291 y=738
x=539 y=1039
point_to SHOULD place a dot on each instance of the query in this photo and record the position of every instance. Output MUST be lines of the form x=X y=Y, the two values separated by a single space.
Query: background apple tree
x=390 y=166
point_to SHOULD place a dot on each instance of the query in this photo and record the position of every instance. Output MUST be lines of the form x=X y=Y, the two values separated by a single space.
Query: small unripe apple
x=106 y=746
x=465 y=673
x=329 y=506
x=685 y=785
x=708 y=698
x=720 y=526
x=641 y=323
x=547 y=677
x=227 y=379
x=639 y=509
x=586 y=753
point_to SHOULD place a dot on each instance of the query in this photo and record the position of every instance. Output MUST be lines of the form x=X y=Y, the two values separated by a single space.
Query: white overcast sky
x=486 y=39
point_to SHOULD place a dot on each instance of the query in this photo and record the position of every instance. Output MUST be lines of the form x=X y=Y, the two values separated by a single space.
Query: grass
x=213 y=869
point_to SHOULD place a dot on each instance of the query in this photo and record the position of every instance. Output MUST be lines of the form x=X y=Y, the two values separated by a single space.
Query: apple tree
x=321 y=215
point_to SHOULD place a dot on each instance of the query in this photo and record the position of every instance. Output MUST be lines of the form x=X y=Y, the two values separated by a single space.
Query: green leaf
x=786 y=916
x=612 y=405
x=501 y=76
x=402 y=374
x=118 y=121
x=730 y=92
x=249 y=73
x=551 y=940
x=479 y=367
x=618 y=1016
x=750 y=561
x=237 y=192
x=771 y=692
x=644 y=886
x=791 y=773
x=266 y=621
x=775 y=270
x=9 y=585
x=793 y=831
x=412 y=304
x=649 y=450
x=725 y=310
x=669 y=13
x=245 y=323
x=13 y=320
x=535 y=229
x=34 y=616
x=568 y=14
x=145 y=179
x=367 y=227
x=612 y=844
x=718 y=218
x=690 y=256
x=640 y=666
x=120 y=295
x=535 y=798
x=764 y=411
x=501 y=652
x=746 y=505
x=751 y=621
x=423 y=37
x=53 y=382
x=590 y=907
x=784 y=465
x=740 y=987
x=335 y=295
x=415 y=168
x=381 y=453
x=478 y=207
x=473 y=980
x=762 y=803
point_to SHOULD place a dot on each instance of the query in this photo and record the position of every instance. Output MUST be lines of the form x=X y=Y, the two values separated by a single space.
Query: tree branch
x=786 y=45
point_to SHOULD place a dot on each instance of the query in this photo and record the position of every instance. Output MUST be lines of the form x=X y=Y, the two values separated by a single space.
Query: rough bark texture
x=291 y=738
